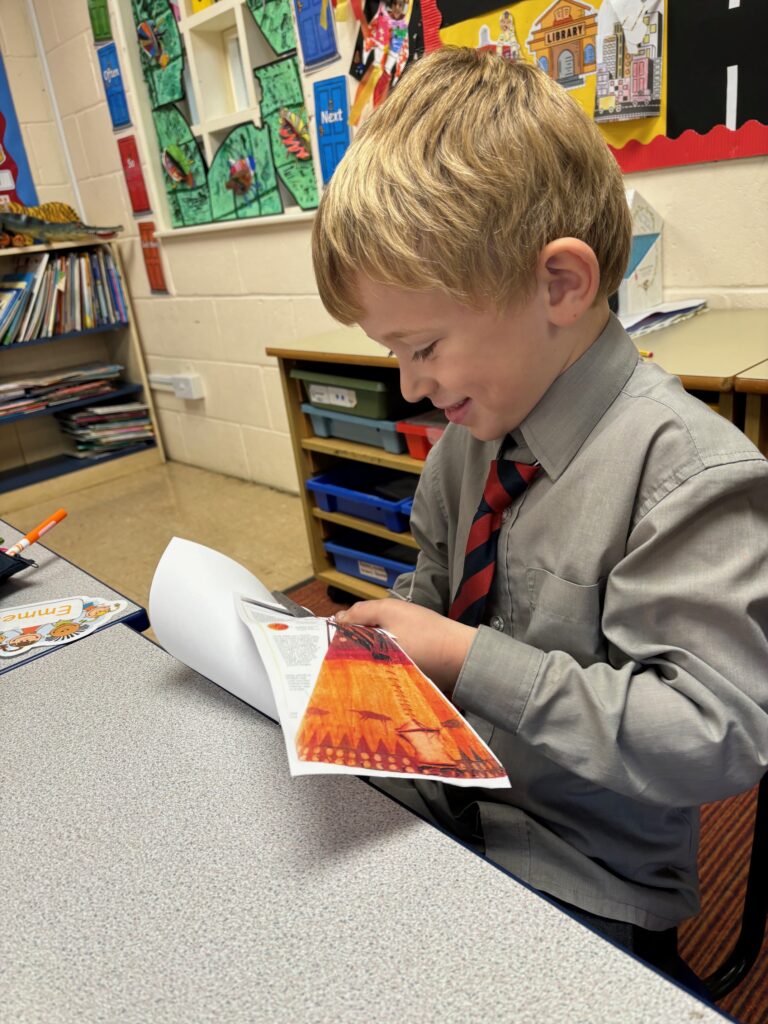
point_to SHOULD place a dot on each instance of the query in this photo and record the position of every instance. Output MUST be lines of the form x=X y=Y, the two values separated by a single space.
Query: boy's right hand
x=436 y=644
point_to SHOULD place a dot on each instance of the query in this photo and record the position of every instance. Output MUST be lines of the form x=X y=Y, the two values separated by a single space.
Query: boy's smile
x=486 y=370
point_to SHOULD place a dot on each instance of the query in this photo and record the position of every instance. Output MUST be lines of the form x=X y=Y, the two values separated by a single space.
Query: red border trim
x=721 y=143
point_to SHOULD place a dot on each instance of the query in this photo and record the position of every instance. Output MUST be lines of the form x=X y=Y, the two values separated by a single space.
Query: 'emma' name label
x=37 y=614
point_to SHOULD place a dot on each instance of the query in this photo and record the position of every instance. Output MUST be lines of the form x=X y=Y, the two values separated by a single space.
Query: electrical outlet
x=187 y=385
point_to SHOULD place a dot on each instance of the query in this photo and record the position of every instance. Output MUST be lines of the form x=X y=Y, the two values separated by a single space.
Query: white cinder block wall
x=235 y=292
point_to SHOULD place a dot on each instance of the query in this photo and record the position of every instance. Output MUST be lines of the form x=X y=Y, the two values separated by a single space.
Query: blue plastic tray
x=372 y=565
x=350 y=489
x=381 y=433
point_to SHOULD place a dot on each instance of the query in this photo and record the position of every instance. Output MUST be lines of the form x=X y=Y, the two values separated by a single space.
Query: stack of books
x=102 y=429
x=50 y=294
x=35 y=392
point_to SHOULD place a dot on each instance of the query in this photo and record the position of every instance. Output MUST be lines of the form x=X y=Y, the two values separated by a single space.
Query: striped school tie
x=506 y=481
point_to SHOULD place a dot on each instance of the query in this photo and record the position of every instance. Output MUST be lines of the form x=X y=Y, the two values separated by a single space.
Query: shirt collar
x=560 y=423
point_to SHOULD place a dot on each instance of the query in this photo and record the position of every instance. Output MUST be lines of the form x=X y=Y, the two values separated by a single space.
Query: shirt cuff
x=497 y=677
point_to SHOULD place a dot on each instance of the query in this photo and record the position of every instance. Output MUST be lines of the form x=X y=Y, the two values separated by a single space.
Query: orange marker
x=37 y=533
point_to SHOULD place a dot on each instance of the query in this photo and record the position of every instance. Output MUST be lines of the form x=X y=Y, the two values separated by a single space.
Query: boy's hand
x=436 y=644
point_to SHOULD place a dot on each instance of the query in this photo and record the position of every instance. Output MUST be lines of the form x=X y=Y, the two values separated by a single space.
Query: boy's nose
x=414 y=383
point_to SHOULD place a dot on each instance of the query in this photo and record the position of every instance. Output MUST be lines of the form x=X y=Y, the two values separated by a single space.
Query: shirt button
x=506 y=514
x=497 y=622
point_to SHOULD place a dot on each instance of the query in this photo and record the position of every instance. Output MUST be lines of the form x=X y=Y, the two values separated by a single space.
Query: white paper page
x=293 y=651
x=292 y=656
x=190 y=608
x=628 y=320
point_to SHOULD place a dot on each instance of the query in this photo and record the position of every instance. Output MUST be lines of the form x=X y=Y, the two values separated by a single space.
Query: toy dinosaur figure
x=49 y=222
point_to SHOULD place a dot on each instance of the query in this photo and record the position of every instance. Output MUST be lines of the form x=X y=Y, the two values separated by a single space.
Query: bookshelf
x=34 y=464
x=347 y=349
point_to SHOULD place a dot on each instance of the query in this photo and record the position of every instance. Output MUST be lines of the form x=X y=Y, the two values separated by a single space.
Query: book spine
x=98 y=297
x=85 y=272
x=117 y=287
x=111 y=308
x=77 y=291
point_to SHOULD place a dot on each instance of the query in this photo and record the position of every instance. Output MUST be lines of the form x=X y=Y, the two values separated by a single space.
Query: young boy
x=617 y=660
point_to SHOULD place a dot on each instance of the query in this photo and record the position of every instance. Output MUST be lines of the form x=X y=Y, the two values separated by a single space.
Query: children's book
x=663 y=315
x=348 y=698
x=22 y=281
x=9 y=298
x=36 y=264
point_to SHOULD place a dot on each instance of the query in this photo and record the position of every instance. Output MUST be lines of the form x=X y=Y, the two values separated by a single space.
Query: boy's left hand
x=436 y=644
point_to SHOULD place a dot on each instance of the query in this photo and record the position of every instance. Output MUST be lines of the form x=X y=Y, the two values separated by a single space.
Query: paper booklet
x=348 y=698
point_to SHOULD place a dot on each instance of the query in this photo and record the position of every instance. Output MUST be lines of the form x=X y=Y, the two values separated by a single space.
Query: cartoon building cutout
x=563 y=42
x=506 y=43
x=629 y=70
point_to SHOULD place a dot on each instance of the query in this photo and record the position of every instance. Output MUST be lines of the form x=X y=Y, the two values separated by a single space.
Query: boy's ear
x=569 y=276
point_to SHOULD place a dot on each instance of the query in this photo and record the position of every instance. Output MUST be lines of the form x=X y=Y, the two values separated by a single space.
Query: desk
x=56 y=577
x=708 y=351
x=160 y=866
x=755 y=383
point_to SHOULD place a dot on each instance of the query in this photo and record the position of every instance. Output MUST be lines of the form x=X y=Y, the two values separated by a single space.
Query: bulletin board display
x=668 y=82
x=16 y=184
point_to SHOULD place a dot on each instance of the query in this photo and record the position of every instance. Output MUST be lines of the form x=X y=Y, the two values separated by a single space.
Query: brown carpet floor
x=726 y=841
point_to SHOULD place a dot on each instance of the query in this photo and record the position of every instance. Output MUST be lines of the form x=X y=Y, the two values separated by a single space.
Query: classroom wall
x=237 y=291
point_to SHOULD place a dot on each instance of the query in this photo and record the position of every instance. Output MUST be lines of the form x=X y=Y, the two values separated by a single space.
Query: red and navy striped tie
x=506 y=481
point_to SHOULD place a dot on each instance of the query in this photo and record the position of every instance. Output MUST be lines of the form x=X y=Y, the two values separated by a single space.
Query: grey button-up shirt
x=623 y=677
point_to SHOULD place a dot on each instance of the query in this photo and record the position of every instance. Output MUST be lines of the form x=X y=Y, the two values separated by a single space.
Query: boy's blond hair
x=458 y=181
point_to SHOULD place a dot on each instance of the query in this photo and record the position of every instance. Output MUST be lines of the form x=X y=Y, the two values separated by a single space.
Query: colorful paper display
x=134 y=179
x=113 y=86
x=150 y=250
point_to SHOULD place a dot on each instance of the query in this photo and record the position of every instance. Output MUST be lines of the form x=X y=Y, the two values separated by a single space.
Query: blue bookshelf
x=38 y=454
x=127 y=389
x=60 y=465
x=14 y=346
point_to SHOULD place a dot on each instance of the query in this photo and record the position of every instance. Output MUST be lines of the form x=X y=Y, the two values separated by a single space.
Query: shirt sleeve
x=677 y=713
x=429 y=585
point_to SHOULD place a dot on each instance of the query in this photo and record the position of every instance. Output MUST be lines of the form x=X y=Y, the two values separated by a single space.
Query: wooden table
x=708 y=351
x=754 y=382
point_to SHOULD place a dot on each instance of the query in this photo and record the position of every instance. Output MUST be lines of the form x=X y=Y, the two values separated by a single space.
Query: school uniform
x=622 y=675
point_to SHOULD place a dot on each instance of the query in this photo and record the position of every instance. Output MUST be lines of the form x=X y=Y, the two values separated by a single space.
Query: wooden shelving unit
x=34 y=464
x=349 y=349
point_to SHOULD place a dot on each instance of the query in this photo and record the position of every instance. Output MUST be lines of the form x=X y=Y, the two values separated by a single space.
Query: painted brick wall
x=236 y=292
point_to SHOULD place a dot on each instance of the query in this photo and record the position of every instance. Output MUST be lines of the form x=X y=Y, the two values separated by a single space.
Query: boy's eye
x=424 y=353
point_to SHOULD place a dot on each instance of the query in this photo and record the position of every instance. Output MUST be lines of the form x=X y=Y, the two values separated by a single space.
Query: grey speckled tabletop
x=54 y=577
x=158 y=865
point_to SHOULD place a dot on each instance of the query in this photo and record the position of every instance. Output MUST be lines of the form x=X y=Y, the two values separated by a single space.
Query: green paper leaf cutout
x=184 y=172
x=274 y=19
x=160 y=49
x=242 y=176
x=284 y=114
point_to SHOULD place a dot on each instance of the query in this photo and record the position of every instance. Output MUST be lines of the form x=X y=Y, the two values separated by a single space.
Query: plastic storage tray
x=368 y=492
x=370 y=558
x=373 y=399
x=422 y=432
x=381 y=433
